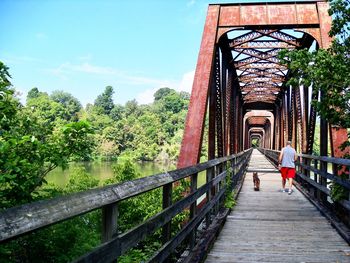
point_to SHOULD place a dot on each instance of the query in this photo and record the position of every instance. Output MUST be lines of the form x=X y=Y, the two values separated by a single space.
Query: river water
x=104 y=170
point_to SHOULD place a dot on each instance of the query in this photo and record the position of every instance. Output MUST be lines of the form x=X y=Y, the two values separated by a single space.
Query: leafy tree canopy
x=162 y=92
x=72 y=104
x=32 y=143
x=105 y=100
x=34 y=93
x=327 y=70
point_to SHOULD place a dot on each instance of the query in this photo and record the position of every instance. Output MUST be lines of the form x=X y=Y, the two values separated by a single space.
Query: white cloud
x=151 y=85
x=67 y=68
x=21 y=94
x=146 y=96
x=10 y=59
x=186 y=82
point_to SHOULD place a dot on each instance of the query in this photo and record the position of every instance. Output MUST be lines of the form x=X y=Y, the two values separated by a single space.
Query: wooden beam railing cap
x=25 y=218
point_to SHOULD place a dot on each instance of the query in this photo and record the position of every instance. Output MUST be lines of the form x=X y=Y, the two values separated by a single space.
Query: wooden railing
x=315 y=176
x=18 y=221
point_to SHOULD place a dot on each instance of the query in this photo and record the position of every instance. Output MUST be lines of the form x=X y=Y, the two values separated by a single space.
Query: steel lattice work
x=240 y=83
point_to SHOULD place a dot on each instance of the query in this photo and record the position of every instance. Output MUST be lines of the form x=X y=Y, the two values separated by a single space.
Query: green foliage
x=162 y=92
x=229 y=202
x=255 y=142
x=34 y=93
x=327 y=70
x=105 y=100
x=80 y=180
x=33 y=141
x=62 y=242
x=53 y=130
x=339 y=192
x=340 y=12
x=70 y=103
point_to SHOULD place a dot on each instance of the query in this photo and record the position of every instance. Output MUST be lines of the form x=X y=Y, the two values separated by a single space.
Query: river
x=103 y=170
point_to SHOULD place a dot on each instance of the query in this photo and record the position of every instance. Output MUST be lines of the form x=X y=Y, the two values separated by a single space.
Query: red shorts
x=287 y=172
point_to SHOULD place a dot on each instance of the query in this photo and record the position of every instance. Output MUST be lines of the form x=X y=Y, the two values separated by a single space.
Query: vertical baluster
x=167 y=200
x=306 y=172
x=323 y=181
x=315 y=178
x=234 y=171
x=209 y=194
x=216 y=187
x=109 y=222
x=193 y=210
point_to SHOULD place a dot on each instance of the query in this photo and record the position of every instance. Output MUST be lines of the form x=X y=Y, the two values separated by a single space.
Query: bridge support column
x=193 y=133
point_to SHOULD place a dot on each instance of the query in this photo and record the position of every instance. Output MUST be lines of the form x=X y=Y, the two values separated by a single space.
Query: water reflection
x=103 y=170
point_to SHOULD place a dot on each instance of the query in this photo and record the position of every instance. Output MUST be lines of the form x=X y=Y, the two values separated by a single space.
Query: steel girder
x=239 y=71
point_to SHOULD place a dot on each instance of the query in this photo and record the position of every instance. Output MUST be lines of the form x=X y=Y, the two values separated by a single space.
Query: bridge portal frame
x=224 y=101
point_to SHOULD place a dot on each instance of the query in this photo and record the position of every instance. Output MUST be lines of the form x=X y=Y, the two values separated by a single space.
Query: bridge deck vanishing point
x=271 y=226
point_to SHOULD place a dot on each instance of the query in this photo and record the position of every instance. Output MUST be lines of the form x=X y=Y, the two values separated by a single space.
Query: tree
x=29 y=149
x=327 y=70
x=71 y=104
x=132 y=108
x=105 y=100
x=117 y=112
x=46 y=111
x=34 y=93
x=161 y=93
x=8 y=104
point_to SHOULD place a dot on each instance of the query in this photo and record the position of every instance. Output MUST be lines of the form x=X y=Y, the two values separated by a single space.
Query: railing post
x=234 y=171
x=217 y=172
x=222 y=184
x=323 y=181
x=167 y=200
x=209 y=195
x=109 y=222
x=316 y=179
x=193 y=210
x=299 y=169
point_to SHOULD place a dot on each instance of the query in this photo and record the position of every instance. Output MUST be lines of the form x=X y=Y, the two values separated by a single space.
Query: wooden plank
x=138 y=233
x=22 y=219
x=271 y=226
x=165 y=251
x=262 y=170
x=166 y=202
x=109 y=222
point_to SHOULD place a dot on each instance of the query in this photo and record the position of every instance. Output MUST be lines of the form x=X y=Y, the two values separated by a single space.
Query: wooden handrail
x=23 y=219
x=322 y=172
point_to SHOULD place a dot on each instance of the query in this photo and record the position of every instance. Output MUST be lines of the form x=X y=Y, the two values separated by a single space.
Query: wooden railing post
x=323 y=181
x=209 y=195
x=216 y=173
x=167 y=201
x=234 y=171
x=193 y=210
x=109 y=222
x=316 y=176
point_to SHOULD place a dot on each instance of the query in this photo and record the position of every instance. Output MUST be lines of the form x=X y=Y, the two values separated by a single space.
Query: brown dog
x=256 y=181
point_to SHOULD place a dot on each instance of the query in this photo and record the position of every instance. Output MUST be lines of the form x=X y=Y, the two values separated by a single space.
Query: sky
x=82 y=46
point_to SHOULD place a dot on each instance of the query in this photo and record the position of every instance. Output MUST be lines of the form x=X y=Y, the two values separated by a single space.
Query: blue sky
x=81 y=46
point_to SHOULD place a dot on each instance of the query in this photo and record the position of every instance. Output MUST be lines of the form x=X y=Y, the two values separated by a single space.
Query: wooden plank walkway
x=271 y=226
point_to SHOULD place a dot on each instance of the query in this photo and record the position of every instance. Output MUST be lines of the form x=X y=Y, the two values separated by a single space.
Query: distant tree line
x=52 y=130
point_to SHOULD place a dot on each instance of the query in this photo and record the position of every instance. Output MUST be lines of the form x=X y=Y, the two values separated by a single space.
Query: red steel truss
x=238 y=73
